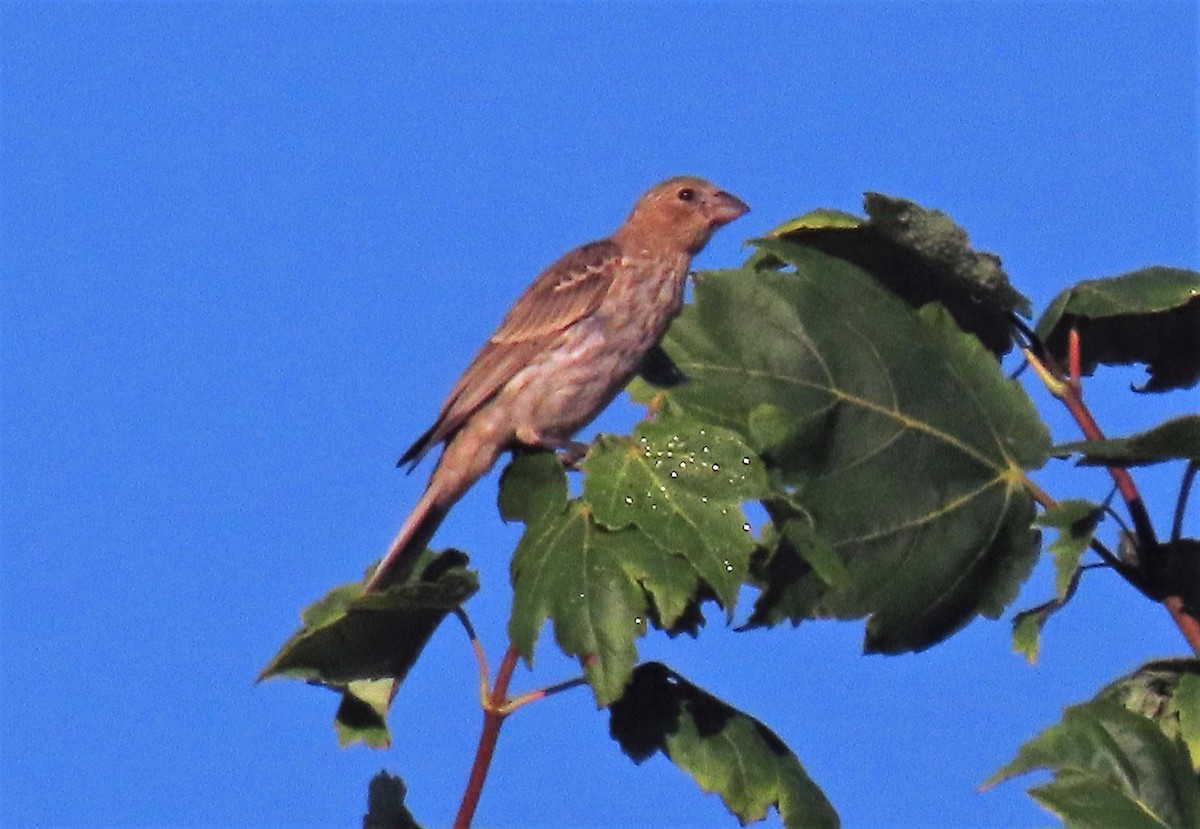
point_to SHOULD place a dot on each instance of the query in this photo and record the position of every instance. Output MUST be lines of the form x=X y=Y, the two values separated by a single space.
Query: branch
x=542 y=693
x=1188 y=625
x=1145 y=576
x=493 y=717
x=1069 y=391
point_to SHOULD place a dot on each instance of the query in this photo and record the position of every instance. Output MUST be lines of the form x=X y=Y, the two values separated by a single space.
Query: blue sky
x=247 y=248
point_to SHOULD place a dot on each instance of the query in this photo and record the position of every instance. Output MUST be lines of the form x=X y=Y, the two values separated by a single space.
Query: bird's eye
x=687 y=194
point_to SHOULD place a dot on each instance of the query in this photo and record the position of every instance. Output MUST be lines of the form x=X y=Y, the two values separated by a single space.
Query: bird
x=576 y=336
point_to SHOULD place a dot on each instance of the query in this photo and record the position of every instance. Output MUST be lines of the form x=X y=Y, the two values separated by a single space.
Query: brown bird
x=566 y=348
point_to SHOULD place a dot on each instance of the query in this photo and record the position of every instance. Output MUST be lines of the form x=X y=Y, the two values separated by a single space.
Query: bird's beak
x=724 y=208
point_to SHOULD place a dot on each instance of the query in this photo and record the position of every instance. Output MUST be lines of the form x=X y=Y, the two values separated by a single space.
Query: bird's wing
x=566 y=292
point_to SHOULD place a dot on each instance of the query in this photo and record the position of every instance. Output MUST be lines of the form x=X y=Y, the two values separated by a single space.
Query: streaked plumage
x=569 y=344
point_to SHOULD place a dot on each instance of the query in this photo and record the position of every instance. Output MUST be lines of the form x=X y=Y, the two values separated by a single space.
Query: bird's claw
x=571 y=454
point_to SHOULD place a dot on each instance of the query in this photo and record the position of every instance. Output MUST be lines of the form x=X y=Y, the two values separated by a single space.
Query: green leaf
x=569 y=569
x=1027 y=625
x=1176 y=439
x=681 y=483
x=1076 y=521
x=920 y=255
x=1111 y=767
x=1082 y=802
x=362 y=715
x=1027 y=633
x=385 y=804
x=792 y=551
x=1166 y=691
x=818 y=554
x=533 y=485
x=724 y=750
x=659 y=528
x=903 y=443
x=347 y=636
x=1187 y=701
x=362 y=646
x=1149 y=316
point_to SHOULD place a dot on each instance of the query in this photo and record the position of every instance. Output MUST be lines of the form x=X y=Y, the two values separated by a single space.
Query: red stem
x=1187 y=624
x=1070 y=391
x=1083 y=416
x=493 y=717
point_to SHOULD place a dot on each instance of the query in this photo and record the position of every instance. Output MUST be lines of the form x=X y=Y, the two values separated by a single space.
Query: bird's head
x=681 y=213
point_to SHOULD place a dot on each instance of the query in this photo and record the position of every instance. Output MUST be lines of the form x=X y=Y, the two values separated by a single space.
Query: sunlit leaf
x=1166 y=691
x=659 y=528
x=1187 y=702
x=1076 y=522
x=362 y=715
x=724 y=750
x=682 y=483
x=568 y=569
x=1027 y=632
x=1112 y=767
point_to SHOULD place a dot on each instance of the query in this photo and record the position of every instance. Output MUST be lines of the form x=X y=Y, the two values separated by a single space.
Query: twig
x=1185 y=488
x=480 y=656
x=1147 y=542
x=493 y=718
x=1069 y=392
x=496 y=708
x=1144 y=576
x=1187 y=624
x=542 y=693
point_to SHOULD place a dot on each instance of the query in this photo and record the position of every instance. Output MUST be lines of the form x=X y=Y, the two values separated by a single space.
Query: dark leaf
x=349 y=636
x=1178 y=572
x=724 y=750
x=659 y=369
x=385 y=804
x=533 y=485
x=1151 y=316
x=920 y=255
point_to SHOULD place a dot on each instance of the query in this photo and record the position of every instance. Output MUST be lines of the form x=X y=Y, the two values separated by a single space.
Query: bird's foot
x=571 y=453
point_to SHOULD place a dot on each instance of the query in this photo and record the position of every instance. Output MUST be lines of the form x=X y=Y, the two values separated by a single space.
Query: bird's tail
x=467 y=456
x=414 y=536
